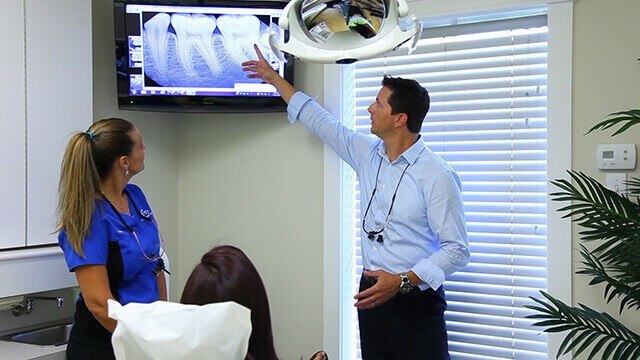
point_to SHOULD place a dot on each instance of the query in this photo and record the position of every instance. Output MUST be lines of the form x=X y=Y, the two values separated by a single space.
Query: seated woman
x=225 y=273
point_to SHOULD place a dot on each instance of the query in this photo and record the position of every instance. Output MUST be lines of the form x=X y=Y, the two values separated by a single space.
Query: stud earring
x=126 y=172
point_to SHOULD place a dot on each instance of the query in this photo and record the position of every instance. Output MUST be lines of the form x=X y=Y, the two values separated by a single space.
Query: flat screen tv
x=188 y=57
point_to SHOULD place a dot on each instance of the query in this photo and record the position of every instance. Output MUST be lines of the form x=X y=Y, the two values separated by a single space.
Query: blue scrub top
x=109 y=243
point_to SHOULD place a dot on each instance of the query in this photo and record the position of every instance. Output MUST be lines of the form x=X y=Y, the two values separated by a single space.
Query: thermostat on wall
x=616 y=156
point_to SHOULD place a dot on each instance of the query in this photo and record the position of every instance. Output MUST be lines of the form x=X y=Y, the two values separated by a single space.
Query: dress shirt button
x=383 y=185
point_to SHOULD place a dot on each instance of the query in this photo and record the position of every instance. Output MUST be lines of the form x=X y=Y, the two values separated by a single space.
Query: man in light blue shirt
x=413 y=232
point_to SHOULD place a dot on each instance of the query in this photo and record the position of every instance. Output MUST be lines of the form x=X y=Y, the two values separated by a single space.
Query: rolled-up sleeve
x=297 y=101
x=446 y=219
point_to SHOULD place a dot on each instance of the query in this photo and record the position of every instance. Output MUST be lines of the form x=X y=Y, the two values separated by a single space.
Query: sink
x=52 y=335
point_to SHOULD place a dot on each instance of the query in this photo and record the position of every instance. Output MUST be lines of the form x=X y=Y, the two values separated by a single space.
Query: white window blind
x=488 y=120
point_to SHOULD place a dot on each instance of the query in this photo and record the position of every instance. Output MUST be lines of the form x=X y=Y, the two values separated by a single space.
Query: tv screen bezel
x=193 y=103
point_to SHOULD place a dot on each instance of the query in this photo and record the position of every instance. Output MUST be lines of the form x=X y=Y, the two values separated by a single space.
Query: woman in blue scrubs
x=107 y=231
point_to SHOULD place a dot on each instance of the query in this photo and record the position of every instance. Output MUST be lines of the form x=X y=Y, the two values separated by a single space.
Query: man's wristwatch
x=405 y=285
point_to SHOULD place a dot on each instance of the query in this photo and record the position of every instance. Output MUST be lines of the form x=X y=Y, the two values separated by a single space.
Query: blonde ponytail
x=79 y=185
x=87 y=159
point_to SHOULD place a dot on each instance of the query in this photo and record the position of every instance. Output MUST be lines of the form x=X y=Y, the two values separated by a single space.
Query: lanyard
x=372 y=234
x=152 y=257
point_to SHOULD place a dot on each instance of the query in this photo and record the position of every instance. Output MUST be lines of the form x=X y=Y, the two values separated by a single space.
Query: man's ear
x=401 y=119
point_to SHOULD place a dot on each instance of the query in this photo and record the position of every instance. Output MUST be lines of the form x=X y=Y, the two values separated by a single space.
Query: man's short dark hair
x=409 y=97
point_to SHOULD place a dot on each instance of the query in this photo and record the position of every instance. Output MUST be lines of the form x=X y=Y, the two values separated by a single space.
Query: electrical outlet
x=617 y=182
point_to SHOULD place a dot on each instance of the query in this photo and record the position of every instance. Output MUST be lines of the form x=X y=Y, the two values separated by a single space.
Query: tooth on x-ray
x=239 y=34
x=157 y=29
x=195 y=32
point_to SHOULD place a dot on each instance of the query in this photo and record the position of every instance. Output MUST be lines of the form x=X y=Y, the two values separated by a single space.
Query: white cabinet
x=45 y=95
x=12 y=126
x=59 y=101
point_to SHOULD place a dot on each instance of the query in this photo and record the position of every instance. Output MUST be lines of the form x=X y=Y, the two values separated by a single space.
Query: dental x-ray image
x=188 y=58
x=202 y=50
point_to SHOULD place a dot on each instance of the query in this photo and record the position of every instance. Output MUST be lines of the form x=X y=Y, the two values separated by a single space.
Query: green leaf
x=557 y=329
x=620 y=351
x=585 y=344
x=550 y=323
x=627 y=352
x=624 y=118
x=597 y=347
x=565 y=346
x=578 y=340
x=609 y=349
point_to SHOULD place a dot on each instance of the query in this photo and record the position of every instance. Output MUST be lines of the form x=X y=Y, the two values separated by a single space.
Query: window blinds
x=488 y=120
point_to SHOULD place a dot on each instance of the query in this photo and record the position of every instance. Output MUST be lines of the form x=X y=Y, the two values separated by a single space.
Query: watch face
x=405 y=288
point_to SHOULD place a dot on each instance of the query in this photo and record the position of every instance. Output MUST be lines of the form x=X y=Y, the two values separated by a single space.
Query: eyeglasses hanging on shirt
x=160 y=266
x=377 y=234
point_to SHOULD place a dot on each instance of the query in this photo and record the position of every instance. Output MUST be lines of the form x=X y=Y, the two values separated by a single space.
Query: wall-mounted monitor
x=188 y=57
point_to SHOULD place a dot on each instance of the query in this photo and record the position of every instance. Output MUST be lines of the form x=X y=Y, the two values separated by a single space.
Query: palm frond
x=633 y=187
x=605 y=214
x=624 y=285
x=585 y=326
x=625 y=118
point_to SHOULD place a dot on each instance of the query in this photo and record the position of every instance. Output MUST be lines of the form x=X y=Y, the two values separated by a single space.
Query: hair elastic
x=90 y=133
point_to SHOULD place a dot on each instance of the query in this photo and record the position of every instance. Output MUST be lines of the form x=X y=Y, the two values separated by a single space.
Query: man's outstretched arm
x=345 y=142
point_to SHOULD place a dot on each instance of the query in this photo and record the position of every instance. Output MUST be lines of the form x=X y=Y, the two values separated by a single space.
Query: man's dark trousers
x=406 y=327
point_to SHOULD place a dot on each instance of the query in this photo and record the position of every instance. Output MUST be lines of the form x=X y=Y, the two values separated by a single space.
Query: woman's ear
x=123 y=162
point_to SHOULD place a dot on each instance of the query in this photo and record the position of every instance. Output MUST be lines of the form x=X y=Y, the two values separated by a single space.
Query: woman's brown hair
x=88 y=158
x=225 y=273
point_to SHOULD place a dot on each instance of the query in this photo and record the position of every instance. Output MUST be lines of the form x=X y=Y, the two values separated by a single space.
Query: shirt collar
x=410 y=155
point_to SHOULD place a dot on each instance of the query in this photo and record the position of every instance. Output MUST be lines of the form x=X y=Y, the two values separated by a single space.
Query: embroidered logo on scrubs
x=146 y=212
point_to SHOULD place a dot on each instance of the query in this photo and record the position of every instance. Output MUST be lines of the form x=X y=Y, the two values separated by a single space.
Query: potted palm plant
x=611 y=222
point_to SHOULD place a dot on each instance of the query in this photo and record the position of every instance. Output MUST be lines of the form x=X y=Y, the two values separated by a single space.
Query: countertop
x=10 y=350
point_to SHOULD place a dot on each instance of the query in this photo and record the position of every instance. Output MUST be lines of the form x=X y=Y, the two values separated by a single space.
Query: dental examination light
x=345 y=31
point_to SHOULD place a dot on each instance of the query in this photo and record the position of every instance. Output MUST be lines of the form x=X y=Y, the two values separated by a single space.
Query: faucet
x=27 y=307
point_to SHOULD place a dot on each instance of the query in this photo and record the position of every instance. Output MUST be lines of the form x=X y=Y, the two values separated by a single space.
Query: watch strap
x=404 y=278
x=405 y=283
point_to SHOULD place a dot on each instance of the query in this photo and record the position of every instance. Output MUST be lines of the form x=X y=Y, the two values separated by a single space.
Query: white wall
x=606 y=79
